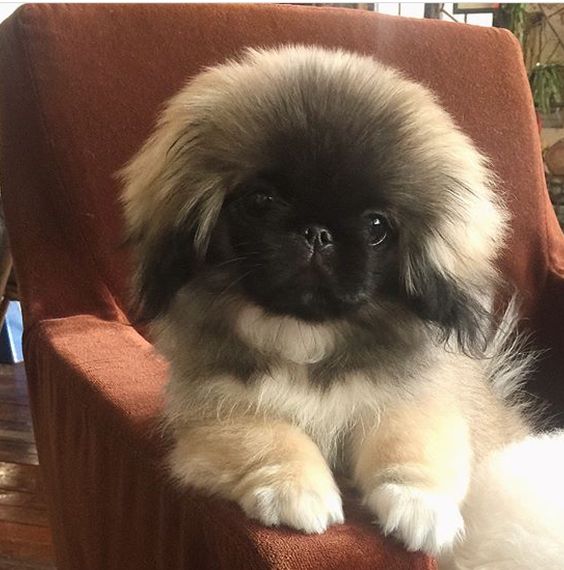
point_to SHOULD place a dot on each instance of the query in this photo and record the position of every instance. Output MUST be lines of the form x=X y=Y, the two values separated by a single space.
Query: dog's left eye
x=378 y=228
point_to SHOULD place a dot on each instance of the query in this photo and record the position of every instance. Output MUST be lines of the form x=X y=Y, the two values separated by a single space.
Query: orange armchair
x=80 y=88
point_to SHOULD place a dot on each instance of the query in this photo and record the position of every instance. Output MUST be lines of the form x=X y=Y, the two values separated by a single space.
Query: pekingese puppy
x=316 y=242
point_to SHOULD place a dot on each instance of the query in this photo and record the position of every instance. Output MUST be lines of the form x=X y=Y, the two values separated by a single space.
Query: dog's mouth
x=307 y=296
x=308 y=289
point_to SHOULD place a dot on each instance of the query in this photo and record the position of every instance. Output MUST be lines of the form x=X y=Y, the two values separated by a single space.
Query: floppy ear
x=172 y=196
x=458 y=310
x=449 y=250
x=165 y=264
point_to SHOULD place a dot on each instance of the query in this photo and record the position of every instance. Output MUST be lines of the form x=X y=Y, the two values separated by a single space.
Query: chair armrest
x=95 y=388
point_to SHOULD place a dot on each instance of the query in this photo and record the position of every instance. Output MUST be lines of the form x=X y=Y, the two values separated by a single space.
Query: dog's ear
x=450 y=289
x=165 y=265
x=171 y=198
x=456 y=309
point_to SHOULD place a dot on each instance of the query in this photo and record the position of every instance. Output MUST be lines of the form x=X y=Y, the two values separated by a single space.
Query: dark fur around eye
x=259 y=202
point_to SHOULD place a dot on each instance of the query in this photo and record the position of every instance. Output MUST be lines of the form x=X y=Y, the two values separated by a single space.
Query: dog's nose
x=318 y=237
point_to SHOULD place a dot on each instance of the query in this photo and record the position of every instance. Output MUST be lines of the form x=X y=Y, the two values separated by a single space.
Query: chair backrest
x=81 y=86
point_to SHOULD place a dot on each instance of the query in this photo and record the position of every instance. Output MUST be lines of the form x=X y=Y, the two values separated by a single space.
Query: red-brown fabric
x=80 y=87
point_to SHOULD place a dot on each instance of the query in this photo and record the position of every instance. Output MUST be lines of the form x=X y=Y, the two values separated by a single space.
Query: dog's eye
x=259 y=202
x=261 y=199
x=379 y=229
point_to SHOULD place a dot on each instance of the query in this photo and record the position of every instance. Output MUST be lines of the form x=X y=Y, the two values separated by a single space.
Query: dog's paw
x=305 y=504
x=421 y=519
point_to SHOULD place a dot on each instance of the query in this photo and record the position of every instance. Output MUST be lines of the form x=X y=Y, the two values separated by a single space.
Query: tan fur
x=272 y=469
x=429 y=438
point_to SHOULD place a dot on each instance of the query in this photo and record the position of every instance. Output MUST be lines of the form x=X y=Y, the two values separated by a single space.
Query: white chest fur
x=288 y=338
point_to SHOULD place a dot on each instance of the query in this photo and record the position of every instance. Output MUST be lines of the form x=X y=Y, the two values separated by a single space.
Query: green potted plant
x=547 y=86
x=545 y=76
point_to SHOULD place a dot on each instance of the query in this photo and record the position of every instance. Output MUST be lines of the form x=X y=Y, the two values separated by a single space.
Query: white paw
x=421 y=519
x=307 y=507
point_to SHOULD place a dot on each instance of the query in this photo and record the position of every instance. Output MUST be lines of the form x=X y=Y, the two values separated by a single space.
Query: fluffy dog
x=316 y=241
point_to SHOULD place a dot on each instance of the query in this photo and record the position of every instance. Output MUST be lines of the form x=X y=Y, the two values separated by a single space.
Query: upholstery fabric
x=81 y=86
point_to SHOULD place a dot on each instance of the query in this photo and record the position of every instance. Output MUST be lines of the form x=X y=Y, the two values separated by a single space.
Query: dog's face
x=310 y=237
x=314 y=184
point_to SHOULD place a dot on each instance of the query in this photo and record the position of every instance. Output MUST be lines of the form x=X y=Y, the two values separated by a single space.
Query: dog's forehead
x=331 y=161
x=329 y=141
x=306 y=115
x=332 y=179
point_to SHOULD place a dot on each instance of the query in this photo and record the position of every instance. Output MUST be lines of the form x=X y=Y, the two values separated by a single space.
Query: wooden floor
x=25 y=538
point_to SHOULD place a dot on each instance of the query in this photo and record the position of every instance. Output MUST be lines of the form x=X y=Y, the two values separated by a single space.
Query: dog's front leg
x=272 y=469
x=413 y=470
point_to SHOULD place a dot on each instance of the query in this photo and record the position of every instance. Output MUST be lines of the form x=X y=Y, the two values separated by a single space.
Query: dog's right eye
x=259 y=202
x=260 y=199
